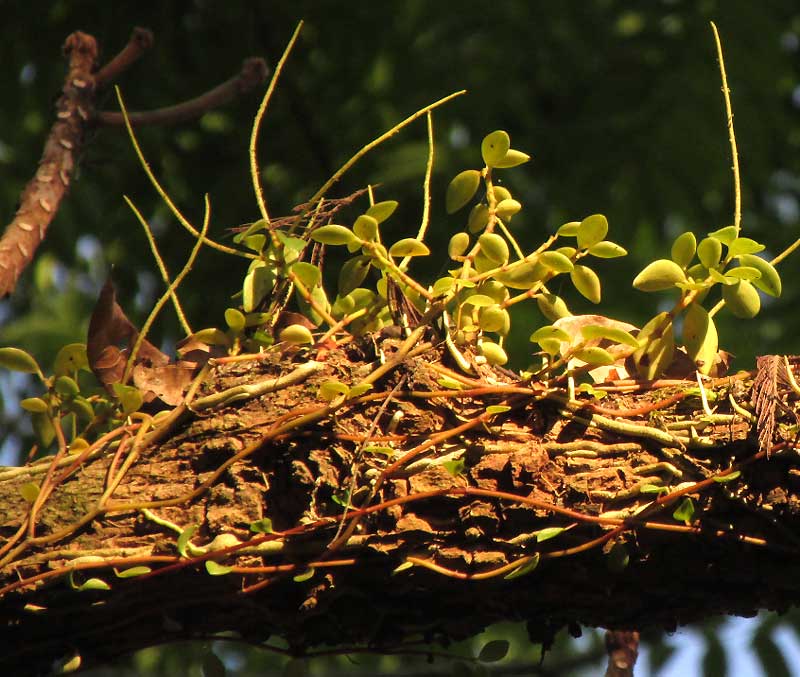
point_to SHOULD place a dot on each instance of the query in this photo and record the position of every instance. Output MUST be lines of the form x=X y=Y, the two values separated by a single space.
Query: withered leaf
x=770 y=374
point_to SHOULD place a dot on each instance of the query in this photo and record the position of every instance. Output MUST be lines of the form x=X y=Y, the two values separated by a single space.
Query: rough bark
x=428 y=550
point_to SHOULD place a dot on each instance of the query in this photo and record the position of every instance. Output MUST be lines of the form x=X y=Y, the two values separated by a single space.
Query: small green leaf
x=709 y=251
x=359 y=390
x=549 y=333
x=378 y=449
x=592 y=230
x=262 y=526
x=212 y=336
x=455 y=467
x=494 y=318
x=497 y=409
x=513 y=158
x=479 y=301
x=607 y=250
x=450 y=383
x=256 y=285
x=130 y=397
x=569 y=229
x=235 y=320
x=43 y=428
x=594 y=355
x=458 y=245
x=308 y=274
x=494 y=651
x=615 y=334
x=334 y=235
x=743 y=273
x=494 y=247
x=721 y=479
x=557 y=262
x=659 y=275
x=548 y=533
x=725 y=235
x=507 y=209
x=70 y=359
x=330 y=390
x=684 y=248
x=296 y=334
x=133 y=572
x=381 y=211
x=255 y=242
x=493 y=353
x=528 y=564
x=742 y=299
x=522 y=276
x=93 y=584
x=35 y=405
x=29 y=491
x=700 y=337
x=18 y=360
x=494 y=147
x=304 y=576
x=685 y=511
x=405 y=566
x=770 y=281
x=478 y=217
x=66 y=386
x=587 y=283
x=744 y=245
x=657 y=341
x=184 y=537
x=552 y=307
x=353 y=273
x=653 y=489
x=216 y=569
x=409 y=246
x=461 y=190
x=366 y=227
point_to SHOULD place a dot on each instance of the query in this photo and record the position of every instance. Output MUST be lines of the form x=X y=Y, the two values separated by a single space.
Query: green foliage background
x=618 y=103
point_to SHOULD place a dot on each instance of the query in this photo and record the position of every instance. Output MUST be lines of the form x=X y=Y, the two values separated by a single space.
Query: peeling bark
x=428 y=549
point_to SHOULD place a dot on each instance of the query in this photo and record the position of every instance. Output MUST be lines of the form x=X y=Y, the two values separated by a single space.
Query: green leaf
x=523 y=276
x=615 y=334
x=743 y=273
x=381 y=211
x=130 y=397
x=725 y=235
x=494 y=247
x=334 y=235
x=506 y=209
x=594 y=355
x=700 y=337
x=494 y=651
x=742 y=299
x=66 y=386
x=262 y=526
x=405 y=566
x=235 y=320
x=493 y=353
x=557 y=262
x=659 y=275
x=212 y=336
x=359 y=390
x=479 y=301
x=684 y=248
x=455 y=467
x=308 y=274
x=494 y=318
x=133 y=572
x=184 y=537
x=462 y=189
x=592 y=230
x=478 y=217
x=216 y=569
x=548 y=533
x=366 y=227
x=458 y=245
x=513 y=158
x=409 y=246
x=256 y=285
x=525 y=568
x=685 y=511
x=70 y=359
x=304 y=576
x=497 y=409
x=35 y=405
x=569 y=229
x=709 y=251
x=721 y=479
x=353 y=273
x=770 y=281
x=29 y=491
x=255 y=242
x=18 y=360
x=552 y=307
x=607 y=250
x=330 y=390
x=657 y=341
x=549 y=333
x=43 y=428
x=93 y=584
x=744 y=245
x=587 y=283
x=494 y=147
x=296 y=334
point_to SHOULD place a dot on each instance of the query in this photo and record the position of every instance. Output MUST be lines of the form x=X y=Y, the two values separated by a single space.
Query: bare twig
x=140 y=41
x=42 y=196
x=253 y=73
